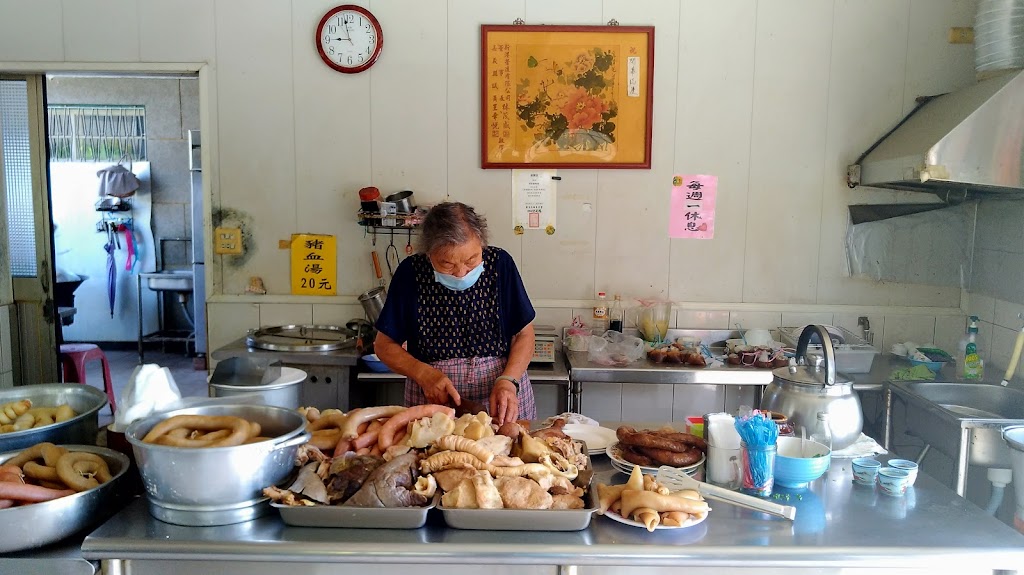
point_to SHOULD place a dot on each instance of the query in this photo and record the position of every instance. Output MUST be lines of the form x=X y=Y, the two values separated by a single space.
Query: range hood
x=967 y=143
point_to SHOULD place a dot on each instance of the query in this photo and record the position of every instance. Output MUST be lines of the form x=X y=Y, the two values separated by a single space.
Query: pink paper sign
x=693 y=207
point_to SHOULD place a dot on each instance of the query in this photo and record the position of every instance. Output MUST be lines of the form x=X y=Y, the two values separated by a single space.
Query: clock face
x=349 y=39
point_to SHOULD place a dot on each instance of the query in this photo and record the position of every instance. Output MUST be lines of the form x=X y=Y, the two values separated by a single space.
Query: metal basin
x=171 y=280
x=954 y=416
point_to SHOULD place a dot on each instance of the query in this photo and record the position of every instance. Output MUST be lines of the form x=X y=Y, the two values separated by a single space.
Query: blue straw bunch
x=758 y=431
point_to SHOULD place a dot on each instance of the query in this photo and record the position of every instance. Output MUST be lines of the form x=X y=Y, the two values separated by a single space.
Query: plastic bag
x=614 y=348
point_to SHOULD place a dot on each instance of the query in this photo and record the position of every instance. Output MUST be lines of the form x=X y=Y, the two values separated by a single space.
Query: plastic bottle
x=821 y=432
x=971 y=365
x=600 y=320
x=616 y=314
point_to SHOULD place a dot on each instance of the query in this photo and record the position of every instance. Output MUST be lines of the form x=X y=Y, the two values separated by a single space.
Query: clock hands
x=348 y=34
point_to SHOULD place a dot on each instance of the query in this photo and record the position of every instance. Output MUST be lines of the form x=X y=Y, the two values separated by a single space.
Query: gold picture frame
x=566 y=96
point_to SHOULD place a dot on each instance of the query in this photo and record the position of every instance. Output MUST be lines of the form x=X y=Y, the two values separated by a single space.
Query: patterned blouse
x=440 y=324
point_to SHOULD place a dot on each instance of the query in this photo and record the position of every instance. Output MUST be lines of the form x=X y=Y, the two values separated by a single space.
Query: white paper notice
x=533 y=200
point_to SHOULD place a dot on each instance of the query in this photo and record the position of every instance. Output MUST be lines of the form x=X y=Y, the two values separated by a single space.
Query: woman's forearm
x=398 y=359
x=521 y=353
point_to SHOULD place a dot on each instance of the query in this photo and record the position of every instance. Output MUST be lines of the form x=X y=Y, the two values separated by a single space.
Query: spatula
x=676 y=479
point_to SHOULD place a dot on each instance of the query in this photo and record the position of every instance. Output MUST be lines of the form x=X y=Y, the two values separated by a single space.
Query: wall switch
x=227 y=241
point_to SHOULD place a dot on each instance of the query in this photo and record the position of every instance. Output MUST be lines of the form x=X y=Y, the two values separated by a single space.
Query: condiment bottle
x=615 y=314
x=600 y=320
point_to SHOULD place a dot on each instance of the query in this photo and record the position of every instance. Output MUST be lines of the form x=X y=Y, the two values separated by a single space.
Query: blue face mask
x=459 y=284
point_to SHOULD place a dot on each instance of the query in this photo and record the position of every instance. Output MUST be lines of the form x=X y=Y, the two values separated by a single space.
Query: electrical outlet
x=227 y=241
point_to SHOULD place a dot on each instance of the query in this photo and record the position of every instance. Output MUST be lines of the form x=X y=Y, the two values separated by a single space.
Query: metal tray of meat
x=524 y=519
x=355 y=517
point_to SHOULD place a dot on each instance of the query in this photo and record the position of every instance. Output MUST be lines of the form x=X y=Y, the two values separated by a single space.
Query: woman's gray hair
x=451 y=224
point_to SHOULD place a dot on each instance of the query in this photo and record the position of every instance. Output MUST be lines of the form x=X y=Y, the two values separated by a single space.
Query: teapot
x=653 y=320
x=801 y=391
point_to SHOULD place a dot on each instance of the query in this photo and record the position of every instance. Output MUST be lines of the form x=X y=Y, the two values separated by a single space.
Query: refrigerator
x=198 y=236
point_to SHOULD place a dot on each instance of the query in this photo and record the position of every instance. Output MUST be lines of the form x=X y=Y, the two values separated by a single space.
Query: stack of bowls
x=217 y=485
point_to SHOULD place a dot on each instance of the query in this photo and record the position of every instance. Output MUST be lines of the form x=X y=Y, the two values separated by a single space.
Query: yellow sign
x=314 y=264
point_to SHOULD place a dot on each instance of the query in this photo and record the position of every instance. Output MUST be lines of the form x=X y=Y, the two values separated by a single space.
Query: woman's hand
x=504 y=402
x=438 y=388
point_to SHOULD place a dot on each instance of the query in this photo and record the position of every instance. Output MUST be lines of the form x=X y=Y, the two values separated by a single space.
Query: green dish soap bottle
x=971 y=365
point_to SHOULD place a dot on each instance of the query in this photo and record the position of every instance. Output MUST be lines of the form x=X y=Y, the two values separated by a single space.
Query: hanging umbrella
x=111 y=272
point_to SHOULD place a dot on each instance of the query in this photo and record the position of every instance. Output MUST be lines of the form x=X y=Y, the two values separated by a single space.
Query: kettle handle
x=826 y=346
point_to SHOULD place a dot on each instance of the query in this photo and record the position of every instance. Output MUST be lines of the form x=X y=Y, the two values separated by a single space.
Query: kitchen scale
x=301 y=338
x=544 y=339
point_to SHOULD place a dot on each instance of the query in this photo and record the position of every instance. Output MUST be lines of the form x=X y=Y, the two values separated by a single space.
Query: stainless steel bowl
x=403 y=201
x=217 y=485
x=86 y=400
x=39 y=524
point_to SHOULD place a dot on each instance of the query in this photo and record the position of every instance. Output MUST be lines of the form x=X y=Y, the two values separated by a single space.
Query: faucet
x=865 y=327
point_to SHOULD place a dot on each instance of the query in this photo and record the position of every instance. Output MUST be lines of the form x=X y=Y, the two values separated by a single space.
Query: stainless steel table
x=63 y=558
x=838 y=525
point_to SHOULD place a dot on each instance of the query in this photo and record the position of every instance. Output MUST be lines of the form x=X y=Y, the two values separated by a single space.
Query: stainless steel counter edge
x=603 y=555
x=838 y=524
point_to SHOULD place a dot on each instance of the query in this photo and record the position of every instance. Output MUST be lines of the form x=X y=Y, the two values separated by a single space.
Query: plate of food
x=666 y=520
x=597 y=438
x=643 y=502
x=618 y=461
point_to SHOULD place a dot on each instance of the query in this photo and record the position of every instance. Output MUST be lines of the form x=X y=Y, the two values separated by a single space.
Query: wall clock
x=349 y=38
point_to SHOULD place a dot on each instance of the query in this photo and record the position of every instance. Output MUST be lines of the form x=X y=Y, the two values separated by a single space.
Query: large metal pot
x=285 y=391
x=802 y=391
x=39 y=524
x=217 y=485
x=87 y=402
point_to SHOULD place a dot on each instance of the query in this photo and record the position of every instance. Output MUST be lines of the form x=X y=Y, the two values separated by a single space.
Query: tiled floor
x=122 y=363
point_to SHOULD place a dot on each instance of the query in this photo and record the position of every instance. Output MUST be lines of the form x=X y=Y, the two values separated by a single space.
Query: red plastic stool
x=73 y=357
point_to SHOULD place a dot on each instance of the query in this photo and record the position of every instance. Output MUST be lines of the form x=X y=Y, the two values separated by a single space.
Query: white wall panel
x=30 y=31
x=489 y=191
x=714 y=91
x=562 y=265
x=408 y=87
x=632 y=215
x=333 y=147
x=101 y=30
x=179 y=31
x=864 y=100
x=791 y=75
x=256 y=127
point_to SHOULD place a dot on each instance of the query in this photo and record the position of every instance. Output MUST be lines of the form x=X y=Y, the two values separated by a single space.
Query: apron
x=474 y=378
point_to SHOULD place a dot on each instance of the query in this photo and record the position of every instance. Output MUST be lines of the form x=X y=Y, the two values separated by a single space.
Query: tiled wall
x=997 y=332
x=998 y=270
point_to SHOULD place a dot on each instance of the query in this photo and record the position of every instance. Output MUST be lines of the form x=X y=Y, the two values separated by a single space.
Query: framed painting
x=566 y=96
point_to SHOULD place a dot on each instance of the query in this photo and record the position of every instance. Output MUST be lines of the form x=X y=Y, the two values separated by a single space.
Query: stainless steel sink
x=170 y=280
x=962 y=420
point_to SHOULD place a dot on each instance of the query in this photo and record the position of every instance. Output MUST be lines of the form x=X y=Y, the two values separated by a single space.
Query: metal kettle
x=801 y=391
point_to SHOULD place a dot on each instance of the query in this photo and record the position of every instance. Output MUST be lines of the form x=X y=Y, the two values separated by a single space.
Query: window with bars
x=80 y=133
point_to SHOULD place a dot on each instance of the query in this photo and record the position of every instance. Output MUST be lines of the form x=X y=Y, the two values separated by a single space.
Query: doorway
x=171 y=213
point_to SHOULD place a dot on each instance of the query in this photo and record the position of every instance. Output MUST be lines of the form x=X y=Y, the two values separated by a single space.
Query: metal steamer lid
x=817 y=375
x=301 y=338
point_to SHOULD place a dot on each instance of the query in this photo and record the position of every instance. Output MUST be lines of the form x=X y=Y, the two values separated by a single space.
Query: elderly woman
x=462 y=310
